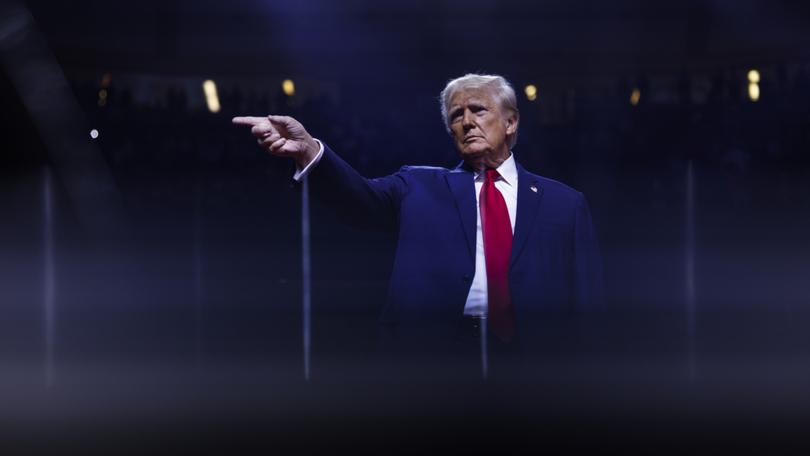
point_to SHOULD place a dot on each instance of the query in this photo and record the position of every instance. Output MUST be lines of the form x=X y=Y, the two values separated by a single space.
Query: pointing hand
x=282 y=136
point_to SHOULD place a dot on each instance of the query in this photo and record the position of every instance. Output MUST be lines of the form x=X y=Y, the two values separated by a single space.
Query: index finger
x=248 y=120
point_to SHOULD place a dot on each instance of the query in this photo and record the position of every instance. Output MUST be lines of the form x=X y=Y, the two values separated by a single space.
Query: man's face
x=480 y=127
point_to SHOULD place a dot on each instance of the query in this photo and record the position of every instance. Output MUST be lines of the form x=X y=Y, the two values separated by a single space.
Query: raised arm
x=336 y=182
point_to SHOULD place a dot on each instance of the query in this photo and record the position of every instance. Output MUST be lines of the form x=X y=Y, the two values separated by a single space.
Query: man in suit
x=486 y=244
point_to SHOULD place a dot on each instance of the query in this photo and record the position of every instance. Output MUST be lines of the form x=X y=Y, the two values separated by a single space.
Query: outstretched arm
x=337 y=183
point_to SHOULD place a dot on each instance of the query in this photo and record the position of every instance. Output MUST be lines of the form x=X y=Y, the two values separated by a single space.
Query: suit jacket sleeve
x=373 y=202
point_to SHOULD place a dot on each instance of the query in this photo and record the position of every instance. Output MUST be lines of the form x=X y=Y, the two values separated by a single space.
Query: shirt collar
x=507 y=170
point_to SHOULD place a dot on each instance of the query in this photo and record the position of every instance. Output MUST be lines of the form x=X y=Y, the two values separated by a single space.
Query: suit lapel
x=528 y=201
x=462 y=186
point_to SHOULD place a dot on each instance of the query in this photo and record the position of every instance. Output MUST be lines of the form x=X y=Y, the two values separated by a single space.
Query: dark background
x=150 y=279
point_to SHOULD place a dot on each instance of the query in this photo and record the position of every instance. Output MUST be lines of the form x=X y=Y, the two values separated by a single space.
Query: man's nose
x=467 y=120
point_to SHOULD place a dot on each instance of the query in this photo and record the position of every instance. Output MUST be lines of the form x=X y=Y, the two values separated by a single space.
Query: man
x=484 y=243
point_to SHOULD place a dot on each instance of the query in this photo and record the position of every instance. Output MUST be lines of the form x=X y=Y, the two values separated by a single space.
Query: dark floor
x=741 y=384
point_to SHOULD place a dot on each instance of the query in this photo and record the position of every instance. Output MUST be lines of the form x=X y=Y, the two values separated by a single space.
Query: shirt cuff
x=300 y=174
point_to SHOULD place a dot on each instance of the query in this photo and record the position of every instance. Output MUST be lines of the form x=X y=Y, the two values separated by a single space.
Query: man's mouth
x=470 y=139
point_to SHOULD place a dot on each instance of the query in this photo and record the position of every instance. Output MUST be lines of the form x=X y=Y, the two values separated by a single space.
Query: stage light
x=93 y=133
x=635 y=96
x=531 y=92
x=288 y=86
x=211 y=97
x=753 y=91
x=753 y=85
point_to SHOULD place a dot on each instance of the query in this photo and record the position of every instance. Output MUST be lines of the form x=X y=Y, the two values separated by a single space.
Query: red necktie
x=497 y=231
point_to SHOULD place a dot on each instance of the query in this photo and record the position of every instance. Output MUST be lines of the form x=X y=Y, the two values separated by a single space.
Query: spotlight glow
x=753 y=85
x=635 y=96
x=211 y=97
x=753 y=91
x=288 y=86
x=531 y=92
x=94 y=134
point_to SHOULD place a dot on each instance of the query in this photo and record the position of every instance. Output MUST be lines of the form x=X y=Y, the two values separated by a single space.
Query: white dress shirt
x=507 y=184
x=302 y=173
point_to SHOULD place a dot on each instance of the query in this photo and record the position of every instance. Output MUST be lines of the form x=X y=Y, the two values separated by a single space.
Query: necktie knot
x=491 y=174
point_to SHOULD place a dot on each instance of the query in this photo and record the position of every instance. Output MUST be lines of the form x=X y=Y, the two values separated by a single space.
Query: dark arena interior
x=160 y=293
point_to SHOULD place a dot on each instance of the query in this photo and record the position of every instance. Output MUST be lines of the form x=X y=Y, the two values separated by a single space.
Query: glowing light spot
x=211 y=97
x=288 y=86
x=753 y=85
x=94 y=133
x=635 y=96
x=531 y=92
x=753 y=91
x=102 y=98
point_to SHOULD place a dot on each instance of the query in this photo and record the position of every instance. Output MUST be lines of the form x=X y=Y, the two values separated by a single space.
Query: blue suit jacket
x=555 y=266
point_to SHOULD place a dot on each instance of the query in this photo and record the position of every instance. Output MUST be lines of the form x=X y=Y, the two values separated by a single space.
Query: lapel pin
x=533 y=188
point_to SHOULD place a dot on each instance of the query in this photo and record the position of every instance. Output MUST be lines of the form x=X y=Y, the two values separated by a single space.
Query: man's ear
x=512 y=123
